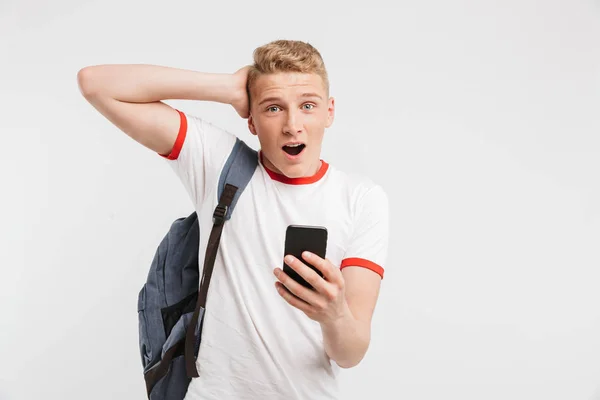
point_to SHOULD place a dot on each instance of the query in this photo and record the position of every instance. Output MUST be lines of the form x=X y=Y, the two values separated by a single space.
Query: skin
x=290 y=107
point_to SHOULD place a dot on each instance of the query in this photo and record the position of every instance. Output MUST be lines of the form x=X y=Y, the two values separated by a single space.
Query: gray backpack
x=171 y=303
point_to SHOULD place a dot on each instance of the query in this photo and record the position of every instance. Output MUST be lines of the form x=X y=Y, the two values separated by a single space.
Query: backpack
x=171 y=303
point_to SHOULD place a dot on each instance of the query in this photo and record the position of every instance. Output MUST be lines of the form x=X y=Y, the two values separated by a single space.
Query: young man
x=264 y=336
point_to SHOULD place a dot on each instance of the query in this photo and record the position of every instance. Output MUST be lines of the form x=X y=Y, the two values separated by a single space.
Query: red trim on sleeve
x=361 y=262
x=180 y=138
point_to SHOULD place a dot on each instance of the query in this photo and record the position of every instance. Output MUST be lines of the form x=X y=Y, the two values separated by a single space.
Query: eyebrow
x=275 y=98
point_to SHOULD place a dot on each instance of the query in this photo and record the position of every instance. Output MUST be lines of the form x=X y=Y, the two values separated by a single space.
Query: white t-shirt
x=254 y=344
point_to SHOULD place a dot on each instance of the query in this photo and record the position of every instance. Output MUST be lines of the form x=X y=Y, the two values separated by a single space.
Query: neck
x=311 y=172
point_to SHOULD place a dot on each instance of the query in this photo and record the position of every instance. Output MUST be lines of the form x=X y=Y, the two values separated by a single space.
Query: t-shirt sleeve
x=200 y=151
x=369 y=241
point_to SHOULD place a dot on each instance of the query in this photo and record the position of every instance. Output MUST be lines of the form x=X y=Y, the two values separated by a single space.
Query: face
x=289 y=114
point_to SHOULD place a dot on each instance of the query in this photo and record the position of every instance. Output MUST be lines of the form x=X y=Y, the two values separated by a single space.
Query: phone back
x=300 y=238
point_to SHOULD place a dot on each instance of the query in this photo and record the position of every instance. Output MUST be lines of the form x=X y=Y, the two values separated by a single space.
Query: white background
x=480 y=119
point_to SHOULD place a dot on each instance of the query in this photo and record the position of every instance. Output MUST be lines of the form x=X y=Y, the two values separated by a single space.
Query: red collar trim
x=296 y=181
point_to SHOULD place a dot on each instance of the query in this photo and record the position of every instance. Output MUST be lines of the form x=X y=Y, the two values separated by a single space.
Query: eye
x=308 y=104
x=271 y=108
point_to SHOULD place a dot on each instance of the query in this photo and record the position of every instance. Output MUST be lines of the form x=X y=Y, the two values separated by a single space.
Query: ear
x=251 y=126
x=330 y=112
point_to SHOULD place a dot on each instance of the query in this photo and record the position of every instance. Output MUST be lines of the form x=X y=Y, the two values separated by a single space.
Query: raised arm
x=130 y=96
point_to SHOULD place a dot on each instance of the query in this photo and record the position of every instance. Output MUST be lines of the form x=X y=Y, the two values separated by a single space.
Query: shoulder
x=358 y=188
x=200 y=125
x=202 y=141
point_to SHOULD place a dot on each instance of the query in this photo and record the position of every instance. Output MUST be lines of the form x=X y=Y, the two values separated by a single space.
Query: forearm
x=143 y=83
x=346 y=340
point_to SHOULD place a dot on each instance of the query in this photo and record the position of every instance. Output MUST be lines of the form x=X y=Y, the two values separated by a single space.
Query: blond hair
x=286 y=56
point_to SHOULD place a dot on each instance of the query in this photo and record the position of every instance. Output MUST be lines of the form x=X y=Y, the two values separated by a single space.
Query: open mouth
x=294 y=149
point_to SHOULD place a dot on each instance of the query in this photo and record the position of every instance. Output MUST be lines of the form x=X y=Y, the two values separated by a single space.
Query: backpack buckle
x=219 y=214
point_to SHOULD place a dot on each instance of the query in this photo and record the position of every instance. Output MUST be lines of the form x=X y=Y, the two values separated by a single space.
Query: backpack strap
x=234 y=178
x=238 y=171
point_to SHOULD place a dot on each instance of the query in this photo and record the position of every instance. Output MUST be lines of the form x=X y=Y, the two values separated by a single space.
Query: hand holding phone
x=300 y=238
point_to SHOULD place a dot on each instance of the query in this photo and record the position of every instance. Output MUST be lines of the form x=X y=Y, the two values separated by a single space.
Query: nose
x=293 y=123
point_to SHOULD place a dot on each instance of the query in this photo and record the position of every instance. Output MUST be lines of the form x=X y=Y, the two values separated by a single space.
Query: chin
x=297 y=168
x=294 y=171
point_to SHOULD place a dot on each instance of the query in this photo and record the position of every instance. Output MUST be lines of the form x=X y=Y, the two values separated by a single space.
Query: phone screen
x=300 y=238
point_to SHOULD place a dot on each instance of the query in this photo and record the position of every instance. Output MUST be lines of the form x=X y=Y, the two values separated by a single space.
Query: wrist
x=237 y=89
x=216 y=87
x=343 y=319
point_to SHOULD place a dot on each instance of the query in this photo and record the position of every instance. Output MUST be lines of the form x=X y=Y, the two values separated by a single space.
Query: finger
x=292 y=299
x=300 y=291
x=306 y=272
x=330 y=273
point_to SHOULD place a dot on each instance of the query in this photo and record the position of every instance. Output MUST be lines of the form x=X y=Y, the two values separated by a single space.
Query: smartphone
x=300 y=238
